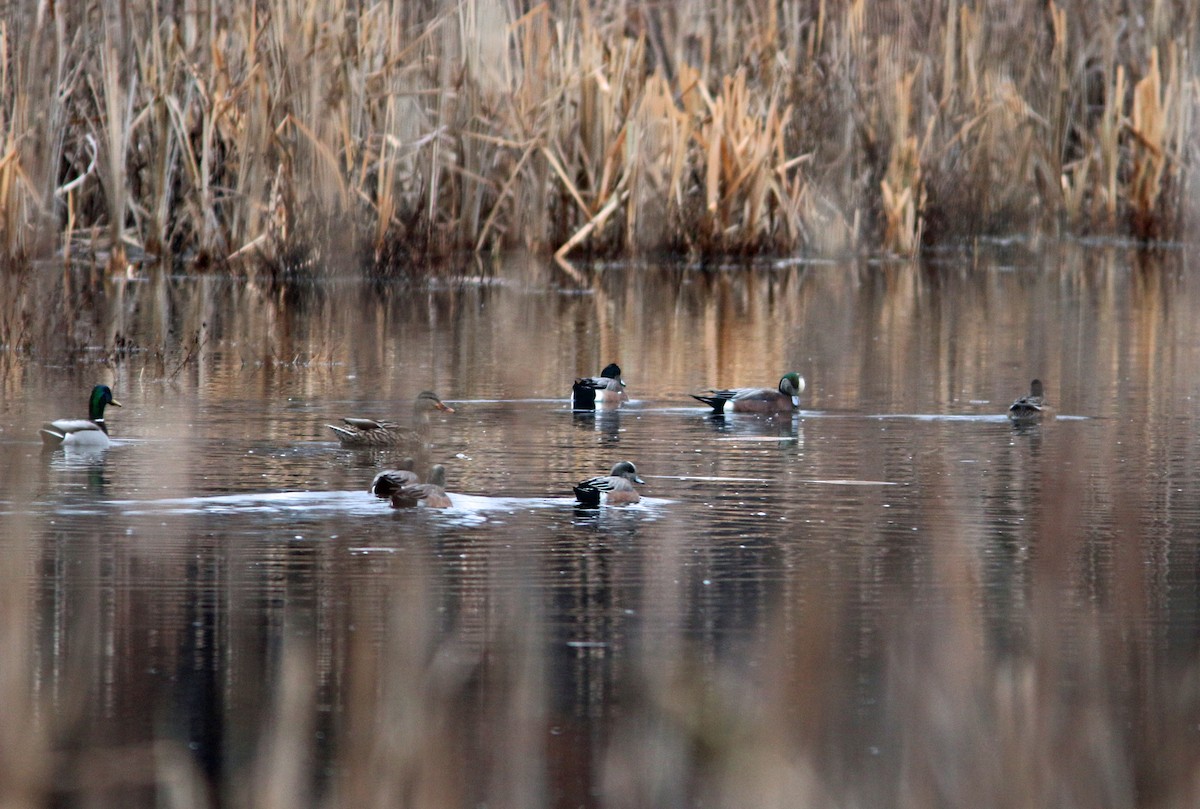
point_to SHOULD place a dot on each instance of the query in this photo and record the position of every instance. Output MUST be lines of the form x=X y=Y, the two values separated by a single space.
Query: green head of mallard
x=101 y=397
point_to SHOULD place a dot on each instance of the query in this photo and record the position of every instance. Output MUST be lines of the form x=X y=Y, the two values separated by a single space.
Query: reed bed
x=292 y=131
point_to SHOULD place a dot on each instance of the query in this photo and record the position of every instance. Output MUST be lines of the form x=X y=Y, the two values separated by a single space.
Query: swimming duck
x=359 y=432
x=784 y=399
x=617 y=487
x=90 y=432
x=432 y=494
x=1031 y=408
x=607 y=389
x=389 y=480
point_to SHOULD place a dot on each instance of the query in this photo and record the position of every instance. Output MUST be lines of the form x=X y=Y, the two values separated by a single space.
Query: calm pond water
x=893 y=598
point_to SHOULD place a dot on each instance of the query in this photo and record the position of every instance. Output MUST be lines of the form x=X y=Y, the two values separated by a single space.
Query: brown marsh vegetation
x=395 y=131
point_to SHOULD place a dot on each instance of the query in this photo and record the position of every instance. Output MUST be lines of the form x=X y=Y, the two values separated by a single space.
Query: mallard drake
x=1032 y=407
x=389 y=480
x=606 y=389
x=90 y=432
x=784 y=399
x=360 y=432
x=432 y=493
x=616 y=487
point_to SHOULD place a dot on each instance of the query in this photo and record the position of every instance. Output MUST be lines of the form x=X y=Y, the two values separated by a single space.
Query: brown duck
x=432 y=493
x=361 y=432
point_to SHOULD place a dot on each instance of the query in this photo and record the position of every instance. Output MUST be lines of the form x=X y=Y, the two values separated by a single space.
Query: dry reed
x=297 y=130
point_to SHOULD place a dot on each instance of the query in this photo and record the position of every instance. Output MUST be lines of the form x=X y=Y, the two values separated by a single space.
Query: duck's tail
x=587 y=495
x=715 y=401
x=50 y=436
x=583 y=394
x=344 y=435
x=1024 y=411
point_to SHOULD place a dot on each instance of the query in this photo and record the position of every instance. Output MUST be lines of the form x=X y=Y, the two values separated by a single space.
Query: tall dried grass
x=296 y=129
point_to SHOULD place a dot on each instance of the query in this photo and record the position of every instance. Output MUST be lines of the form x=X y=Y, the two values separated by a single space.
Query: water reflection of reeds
x=1034 y=642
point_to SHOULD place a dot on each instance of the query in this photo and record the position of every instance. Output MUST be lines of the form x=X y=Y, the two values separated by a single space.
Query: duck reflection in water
x=753 y=429
x=73 y=459
x=605 y=422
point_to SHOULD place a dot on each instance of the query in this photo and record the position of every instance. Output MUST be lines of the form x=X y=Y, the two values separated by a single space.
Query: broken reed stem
x=441 y=126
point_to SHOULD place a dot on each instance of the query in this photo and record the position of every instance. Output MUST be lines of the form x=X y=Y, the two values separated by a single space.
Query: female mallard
x=617 y=487
x=606 y=389
x=1031 y=408
x=784 y=399
x=432 y=494
x=359 y=432
x=89 y=432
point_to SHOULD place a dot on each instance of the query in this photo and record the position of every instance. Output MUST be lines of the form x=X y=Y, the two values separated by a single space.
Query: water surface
x=892 y=598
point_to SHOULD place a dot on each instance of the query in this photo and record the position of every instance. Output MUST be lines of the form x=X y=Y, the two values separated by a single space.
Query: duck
x=432 y=493
x=362 y=432
x=783 y=399
x=1032 y=407
x=616 y=487
x=89 y=432
x=385 y=484
x=606 y=389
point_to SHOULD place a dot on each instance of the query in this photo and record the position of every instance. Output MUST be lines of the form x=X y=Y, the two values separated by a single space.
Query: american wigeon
x=360 y=432
x=617 y=487
x=784 y=399
x=389 y=480
x=607 y=389
x=1031 y=408
x=89 y=432
x=432 y=493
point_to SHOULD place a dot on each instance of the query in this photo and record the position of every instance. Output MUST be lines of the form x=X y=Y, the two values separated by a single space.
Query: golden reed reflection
x=862 y=333
x=1035 y=638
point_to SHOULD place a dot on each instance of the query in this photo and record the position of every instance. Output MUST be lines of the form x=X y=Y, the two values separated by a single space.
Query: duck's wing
x=755 y=394
x=586 y=494
x=389 y=481
x=410 y=495
x=55 y=432
x=604 y=483
x=370 y=424
x=588 y=491
x=1025 y=408
x=369 y=432
x=716 y=399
